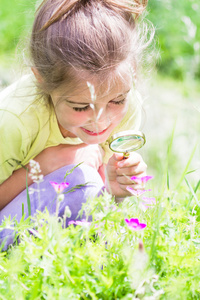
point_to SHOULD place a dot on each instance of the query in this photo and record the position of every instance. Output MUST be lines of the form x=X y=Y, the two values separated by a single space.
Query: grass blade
x=166 y=168
x=70 y=171
x=78 y=186
x=22 y=209
x=168 y=179
x=193 y=193
x=27 y=195
x=197 y=186
x=187 y=166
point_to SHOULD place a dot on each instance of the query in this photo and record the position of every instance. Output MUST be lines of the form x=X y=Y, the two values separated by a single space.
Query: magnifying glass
x=127 y=141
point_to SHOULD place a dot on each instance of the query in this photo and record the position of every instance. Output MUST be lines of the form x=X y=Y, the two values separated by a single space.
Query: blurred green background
x=177 y=29
x=16 y=17
x=173 y=93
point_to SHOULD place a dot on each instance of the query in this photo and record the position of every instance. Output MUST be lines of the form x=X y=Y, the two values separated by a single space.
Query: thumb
x=115 y=158
x=118 y=156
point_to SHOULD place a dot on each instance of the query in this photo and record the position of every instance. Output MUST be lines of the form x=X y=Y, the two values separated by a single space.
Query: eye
x=118 y=102
x=81 y=108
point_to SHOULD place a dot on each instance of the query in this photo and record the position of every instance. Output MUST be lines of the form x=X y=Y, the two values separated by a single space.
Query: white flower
x=35 y=171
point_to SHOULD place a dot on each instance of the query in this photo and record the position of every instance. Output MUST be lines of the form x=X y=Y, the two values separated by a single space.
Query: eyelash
x=81 y=108
x=119 y=102
x=88 y=106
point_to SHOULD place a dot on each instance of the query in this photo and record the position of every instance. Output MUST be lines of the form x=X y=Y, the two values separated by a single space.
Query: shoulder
x=18 y=88
x=21 y=105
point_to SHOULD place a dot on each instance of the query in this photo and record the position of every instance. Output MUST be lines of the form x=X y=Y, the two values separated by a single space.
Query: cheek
x=124 y=109
x=119 y=112
x=71 y=117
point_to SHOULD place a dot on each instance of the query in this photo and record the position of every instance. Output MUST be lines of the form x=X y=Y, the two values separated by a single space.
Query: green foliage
x=105 y=259
x=178 y=31
x=16 y=17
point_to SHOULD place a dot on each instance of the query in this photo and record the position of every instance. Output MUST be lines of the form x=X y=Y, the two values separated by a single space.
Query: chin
x=94 y=140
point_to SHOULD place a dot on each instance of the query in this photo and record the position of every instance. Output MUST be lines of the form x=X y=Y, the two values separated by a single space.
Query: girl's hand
x=120 y=170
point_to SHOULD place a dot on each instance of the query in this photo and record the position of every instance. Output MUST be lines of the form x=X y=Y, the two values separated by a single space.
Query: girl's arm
x=12 y=186
x=50 y=159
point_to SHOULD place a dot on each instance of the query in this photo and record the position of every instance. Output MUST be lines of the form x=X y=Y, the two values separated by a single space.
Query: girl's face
x=91 y=120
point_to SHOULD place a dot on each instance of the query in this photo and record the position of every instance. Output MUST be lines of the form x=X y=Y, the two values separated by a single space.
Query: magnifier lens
x=127 y=141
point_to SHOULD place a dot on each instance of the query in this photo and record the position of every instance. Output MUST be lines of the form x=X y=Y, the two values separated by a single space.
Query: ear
x=37 y=74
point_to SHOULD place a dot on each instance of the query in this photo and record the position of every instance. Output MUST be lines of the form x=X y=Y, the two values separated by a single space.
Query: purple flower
x=141 y=180
x=59 y=187
x=135 y=224
x=136 y=193
x=81 y=222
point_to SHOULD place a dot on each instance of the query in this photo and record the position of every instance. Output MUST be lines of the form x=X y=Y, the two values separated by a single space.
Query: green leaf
x=27 y=195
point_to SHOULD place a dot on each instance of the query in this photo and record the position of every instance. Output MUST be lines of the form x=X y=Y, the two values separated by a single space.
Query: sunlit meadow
x=148 y=246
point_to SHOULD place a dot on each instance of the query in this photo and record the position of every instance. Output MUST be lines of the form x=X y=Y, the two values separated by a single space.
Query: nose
x=101 y=118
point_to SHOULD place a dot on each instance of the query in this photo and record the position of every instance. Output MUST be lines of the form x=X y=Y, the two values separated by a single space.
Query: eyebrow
x=88 y=103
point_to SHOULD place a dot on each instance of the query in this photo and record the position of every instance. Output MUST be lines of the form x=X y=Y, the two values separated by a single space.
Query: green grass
x=103 y=260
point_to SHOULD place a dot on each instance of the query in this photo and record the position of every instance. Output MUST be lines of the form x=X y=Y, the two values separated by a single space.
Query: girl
x=85 y=56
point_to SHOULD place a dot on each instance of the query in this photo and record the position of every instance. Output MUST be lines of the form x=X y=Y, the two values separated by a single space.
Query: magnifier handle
x=126 y=155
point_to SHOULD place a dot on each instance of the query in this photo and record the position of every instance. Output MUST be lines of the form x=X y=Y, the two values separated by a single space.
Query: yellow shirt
x=28 y=125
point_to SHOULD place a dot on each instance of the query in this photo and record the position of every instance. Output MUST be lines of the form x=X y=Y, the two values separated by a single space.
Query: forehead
x=85 y=87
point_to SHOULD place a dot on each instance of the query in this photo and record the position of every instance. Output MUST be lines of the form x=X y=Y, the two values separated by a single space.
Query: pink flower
x=82 y=222
x=148 y=200
x=141 y=180
x=147 y=203
x=59 y=187
x=135 y=224
x=136 y=193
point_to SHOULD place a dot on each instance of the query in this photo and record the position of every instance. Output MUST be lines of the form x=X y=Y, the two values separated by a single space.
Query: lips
x=93 y=133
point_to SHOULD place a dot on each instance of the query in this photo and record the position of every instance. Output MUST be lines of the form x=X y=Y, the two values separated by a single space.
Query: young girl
x=85 y=57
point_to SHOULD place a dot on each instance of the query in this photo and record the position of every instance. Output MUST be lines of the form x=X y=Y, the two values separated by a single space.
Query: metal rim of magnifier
x=127 y=133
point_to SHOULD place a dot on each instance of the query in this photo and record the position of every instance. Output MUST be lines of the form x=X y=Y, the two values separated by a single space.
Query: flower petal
x=59 y=187
x=134 y=224
x=79 y=222
x=141 y=180
x=136 y=193
x=149 y=200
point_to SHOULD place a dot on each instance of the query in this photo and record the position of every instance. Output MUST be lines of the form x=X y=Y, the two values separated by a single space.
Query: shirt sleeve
x=13 y=137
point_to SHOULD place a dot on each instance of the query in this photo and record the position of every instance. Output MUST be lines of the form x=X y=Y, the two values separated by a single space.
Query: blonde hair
x=105 y=39
x=85 y=35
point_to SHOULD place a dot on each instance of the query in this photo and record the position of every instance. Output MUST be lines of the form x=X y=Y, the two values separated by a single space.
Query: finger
x=126 y=180
x=115 y=158
x=137 y=170
x=135 y=187
x=132 y=160
x=118 y=156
